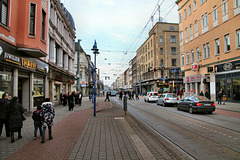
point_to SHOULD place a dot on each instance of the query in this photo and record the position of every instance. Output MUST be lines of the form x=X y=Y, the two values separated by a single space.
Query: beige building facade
x=209 y=33
x=157 y=57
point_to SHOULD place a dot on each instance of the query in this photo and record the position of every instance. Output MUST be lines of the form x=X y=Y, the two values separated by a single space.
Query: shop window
x=32 y=19
x=38 y=91
x=6 y=82
x=4 y=11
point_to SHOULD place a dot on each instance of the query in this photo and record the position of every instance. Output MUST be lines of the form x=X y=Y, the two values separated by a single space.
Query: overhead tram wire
x=140 y=34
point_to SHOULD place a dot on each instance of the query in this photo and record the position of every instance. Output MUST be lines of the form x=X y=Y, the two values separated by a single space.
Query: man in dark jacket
x=4 y=111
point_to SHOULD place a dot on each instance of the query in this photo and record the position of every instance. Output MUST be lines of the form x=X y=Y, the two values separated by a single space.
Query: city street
x=202 y=136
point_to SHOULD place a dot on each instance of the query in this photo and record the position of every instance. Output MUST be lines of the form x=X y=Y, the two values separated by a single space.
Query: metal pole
x=139 y=82
x=176 y=80
x=94 y=83
x=78 y=66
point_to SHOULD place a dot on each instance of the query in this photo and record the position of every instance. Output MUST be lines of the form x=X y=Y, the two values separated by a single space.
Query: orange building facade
x=23 y=50
x=209 y=33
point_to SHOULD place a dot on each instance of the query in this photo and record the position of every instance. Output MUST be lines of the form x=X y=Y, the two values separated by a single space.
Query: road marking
x=141 y=147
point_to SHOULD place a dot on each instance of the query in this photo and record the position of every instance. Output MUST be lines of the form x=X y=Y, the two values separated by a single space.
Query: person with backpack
x=37 y=121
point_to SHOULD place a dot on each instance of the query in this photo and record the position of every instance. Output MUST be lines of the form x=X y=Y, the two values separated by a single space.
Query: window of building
x=196 y=28
x=43 y=25
x=38 y=87
x=161 y=39
x=224 y=7
x=191 y=32
x=238 y=38
x=148 y=55
x=217 y=46
x=187 y=58
x=32 y=19
x=4 y=12
x=227 y=43
x=197 y=54
x=214 y=13
x=148 y=45
x=56 y=54
x=173 y=50
x=206 y=51
x=204 y=20
x=181 y=36
x=195 y=5
x=63 y=59
x=161 y=62
x=180 y=18
x=236 y=7
x=161 y=51
x=185 y=14
x=151 y=53
x=237 y=3
x=202 y=1
x=171 y=28
x=186 y=35
x=151 y=42
x=192 y=56
x=173 y=39
x=174 y=62
x=182 y=59
x=190 y=9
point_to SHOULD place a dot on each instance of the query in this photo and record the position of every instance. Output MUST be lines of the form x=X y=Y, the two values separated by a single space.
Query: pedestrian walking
x=137 y=97
x=219 y=96
x=70 y=102
x=61 y=98
x=120 y=95
x=65 y=98
x=207 y=94
x=73 y=98
x=180 y=94
x=224 y=98
x=37 y=121
x=80 y=98
x=107 y=96
x=4 y=111
x=15 y=118
x=47 y=114
x=201 y=94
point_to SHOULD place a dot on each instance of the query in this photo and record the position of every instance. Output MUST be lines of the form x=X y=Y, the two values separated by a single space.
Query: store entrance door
x=24 y=92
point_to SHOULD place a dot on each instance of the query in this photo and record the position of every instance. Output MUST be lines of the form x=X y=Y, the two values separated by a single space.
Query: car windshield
x=201 y=98
x=171 y=95
x=154 y=94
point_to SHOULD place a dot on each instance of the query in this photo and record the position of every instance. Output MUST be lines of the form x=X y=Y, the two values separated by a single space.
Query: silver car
x=168 y=99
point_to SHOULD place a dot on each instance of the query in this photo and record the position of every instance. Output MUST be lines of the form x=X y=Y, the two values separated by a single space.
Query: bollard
x=125 y=103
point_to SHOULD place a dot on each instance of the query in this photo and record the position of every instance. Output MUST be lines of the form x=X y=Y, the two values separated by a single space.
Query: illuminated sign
x=195 y=67
x=28 y=64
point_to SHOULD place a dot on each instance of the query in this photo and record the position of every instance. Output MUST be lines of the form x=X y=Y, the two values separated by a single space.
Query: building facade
x=209 y=46
x=61 y=51
x=23 y=50
x=157 y=57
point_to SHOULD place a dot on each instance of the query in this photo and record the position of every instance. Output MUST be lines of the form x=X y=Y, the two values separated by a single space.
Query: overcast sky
x=116 y=26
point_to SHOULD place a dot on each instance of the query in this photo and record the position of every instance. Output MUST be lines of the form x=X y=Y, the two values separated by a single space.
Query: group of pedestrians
x=11 y=115
x=72 y=98
x=129 y=93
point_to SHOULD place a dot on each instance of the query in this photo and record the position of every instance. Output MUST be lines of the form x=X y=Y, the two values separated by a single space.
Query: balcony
x=36 y=53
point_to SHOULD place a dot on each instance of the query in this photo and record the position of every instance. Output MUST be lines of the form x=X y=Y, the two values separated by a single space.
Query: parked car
x=167 y=99
x=113 y=93
x=151 y=96
x=194 y=104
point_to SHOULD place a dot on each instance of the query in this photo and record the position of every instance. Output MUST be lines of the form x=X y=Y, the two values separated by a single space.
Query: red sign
x=195 y=67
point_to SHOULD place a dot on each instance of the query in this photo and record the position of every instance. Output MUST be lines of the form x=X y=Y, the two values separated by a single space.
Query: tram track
x=194 y=135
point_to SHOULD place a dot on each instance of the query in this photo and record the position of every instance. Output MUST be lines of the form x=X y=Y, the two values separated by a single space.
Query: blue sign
x=163 y=78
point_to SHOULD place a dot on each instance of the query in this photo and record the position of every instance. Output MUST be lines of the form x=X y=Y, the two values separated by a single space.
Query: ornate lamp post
x=95 y=52
x=175 y=70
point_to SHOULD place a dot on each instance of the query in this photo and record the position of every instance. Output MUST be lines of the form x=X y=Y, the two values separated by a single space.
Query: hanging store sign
x=195 y=67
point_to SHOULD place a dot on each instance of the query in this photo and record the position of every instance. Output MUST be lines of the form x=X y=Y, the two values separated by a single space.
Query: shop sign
x=11 y=58
x=191 y=79
x=195 y=67
x=234 y=65
x=28 y=64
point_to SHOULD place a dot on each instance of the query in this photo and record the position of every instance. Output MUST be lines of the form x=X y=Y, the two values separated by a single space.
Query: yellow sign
x=28 y=64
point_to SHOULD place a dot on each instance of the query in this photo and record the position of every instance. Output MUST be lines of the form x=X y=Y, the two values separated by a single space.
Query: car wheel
x=190 y=110
x=148 y=100
x=145 y=100
x=164 y=105
x=178 y=107
x=157 y=103
x=210 y=112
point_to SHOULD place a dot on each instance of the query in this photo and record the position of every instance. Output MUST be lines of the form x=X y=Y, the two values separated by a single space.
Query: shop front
x=192 y=84
x=59 y=81
x=22 y=76
x=228 y=80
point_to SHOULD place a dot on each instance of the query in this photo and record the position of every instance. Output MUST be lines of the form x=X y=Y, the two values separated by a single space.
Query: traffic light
x=90 y=85
x=155 y=69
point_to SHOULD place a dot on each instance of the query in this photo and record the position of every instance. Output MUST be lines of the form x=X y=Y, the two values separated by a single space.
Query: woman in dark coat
x=15 y=118
x=64 y=99
x=70 y=102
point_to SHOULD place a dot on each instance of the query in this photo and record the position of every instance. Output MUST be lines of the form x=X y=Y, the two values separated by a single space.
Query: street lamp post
x=95 y=52
x=174 y=70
